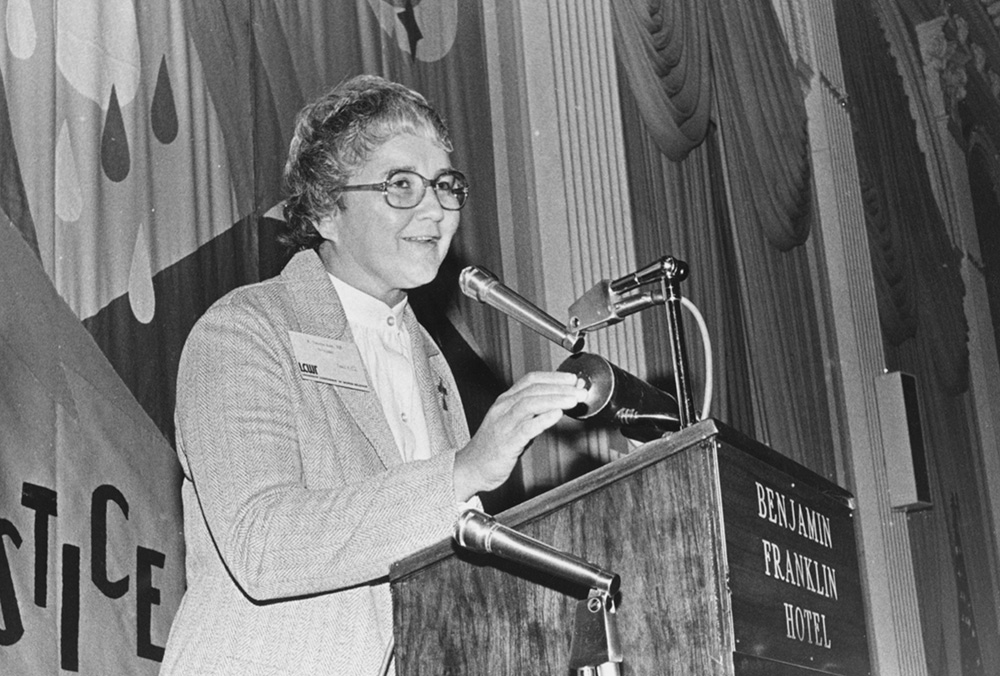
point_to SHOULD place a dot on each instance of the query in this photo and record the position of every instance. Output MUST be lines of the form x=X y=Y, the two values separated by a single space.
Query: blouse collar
x=367 y=311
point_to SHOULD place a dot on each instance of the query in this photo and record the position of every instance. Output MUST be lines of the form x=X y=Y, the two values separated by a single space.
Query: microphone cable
x=706 y=342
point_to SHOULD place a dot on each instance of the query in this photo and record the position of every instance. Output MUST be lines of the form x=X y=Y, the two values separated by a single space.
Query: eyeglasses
x=406 y=189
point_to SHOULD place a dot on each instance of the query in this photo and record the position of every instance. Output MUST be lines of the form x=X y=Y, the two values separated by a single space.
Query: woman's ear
x=327 y=226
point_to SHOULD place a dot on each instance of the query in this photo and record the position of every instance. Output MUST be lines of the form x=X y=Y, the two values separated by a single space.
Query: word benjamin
x=784 y=511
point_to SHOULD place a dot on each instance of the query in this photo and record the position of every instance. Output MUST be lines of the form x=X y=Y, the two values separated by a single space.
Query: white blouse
x=384 y=344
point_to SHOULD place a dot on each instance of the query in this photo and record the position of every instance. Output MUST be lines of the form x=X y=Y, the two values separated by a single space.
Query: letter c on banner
x=99 y=540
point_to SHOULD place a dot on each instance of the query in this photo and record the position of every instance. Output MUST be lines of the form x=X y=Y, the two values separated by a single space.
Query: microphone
x=478 y=532
x=484 y=286
x=642 y=412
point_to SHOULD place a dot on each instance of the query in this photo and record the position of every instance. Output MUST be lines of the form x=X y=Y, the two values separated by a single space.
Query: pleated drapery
x=663 y=49
x=762 y=118
x=737 y=208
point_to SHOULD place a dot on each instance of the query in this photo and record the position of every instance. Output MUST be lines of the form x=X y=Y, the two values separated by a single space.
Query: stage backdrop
x=141 y=148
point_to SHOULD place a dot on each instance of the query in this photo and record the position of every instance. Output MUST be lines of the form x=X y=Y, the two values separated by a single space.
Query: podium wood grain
x=655 y=517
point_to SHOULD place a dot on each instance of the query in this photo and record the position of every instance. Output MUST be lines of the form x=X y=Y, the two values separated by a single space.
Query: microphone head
x=639 y=410
x=599 y=380
x=473 y=530
x=475 y=282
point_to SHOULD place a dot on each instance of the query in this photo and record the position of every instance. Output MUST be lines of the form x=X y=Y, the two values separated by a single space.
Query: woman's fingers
x=532 y=405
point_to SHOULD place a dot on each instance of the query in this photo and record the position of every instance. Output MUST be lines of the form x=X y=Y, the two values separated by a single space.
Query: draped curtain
x=920 y=296
x=750 y=275
x=663 y=49
x=678 y=211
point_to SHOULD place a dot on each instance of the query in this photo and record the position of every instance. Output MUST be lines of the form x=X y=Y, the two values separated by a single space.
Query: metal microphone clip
x=609 y=301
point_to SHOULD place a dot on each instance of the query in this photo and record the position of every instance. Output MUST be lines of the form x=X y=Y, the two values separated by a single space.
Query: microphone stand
x=673 y=274
x=607 y=304
x=596 y=649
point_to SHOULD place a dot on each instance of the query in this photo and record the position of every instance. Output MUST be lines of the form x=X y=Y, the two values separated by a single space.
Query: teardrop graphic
x=140 y=280
x=21 y=34
x=114 y=144
x=163 y=113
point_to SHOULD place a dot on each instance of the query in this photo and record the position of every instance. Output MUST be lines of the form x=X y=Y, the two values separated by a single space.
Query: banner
x=91 y=549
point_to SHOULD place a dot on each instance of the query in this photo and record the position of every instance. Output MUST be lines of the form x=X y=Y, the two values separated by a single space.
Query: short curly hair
x=335 y=135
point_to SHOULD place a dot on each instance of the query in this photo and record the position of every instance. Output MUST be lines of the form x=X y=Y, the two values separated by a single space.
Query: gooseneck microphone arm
x=484 y=286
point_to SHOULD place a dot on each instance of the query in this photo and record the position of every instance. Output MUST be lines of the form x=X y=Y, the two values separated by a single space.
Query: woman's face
x=382 y=250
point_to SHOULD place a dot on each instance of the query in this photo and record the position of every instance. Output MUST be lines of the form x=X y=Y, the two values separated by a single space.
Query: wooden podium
x=733 y=559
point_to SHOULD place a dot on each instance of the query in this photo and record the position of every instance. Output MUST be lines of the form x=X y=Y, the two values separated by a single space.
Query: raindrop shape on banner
x=141 y=297
x=163 y=112
x=22 y=37
x=114 y=143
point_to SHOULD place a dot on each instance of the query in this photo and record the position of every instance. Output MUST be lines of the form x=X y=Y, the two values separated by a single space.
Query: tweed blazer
x=296 y=499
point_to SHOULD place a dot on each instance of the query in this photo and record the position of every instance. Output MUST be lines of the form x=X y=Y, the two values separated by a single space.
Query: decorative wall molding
x=958 y=52
x=893 y=616
x=992 y=8
x=558 y=134
x=946 y=52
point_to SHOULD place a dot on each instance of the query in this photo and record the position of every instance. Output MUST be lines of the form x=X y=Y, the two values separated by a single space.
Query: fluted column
x=561 y=178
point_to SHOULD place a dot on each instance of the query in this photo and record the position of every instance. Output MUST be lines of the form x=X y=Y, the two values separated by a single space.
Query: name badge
x=324 y=360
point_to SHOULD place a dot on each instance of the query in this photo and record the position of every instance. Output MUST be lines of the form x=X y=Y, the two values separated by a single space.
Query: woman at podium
x=319 y=428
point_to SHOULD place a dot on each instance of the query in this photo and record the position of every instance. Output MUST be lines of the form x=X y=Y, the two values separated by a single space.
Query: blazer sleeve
x=239 y=443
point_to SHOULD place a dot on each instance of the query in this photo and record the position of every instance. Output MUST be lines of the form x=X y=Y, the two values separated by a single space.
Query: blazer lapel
x=443 y=410
x=320 y=313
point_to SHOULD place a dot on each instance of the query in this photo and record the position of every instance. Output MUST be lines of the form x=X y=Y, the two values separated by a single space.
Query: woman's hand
x=535 y=403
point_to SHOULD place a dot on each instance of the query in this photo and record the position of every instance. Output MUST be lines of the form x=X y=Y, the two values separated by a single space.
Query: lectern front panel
x=793 y=570
x=733 y=559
